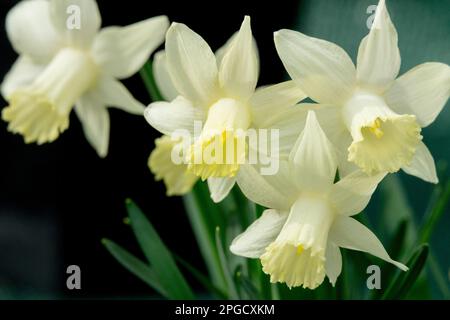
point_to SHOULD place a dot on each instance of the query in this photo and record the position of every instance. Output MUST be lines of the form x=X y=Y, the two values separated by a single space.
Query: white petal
x=239 y=67
x=422 y=91
x=352 y=194
x=272 y=191
x=162 y=77
x=166 y=117
x=77 y=21
x=122 y=51
x=422 y=165
x=348 y=233
x=333 y=262
x=271 y=100
x=324 y=70
x=378 y=56
x=220 y=187
x=342 y=142
x=220 y=53
x=191 y=65
x=259 y=234
x=22 y=73
x=312 y=159
x=113 y=93
x=95 y=121
x=31 y=31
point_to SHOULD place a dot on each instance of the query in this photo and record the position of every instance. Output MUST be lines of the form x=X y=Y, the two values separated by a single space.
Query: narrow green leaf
x=135 y=266
x=204 y=281
x=158 y=255
x=248 y=288
x=436 y=213
x=204 y=216
x=438 y=276
x=149 y=80
x=225 y=269
x=400 y=287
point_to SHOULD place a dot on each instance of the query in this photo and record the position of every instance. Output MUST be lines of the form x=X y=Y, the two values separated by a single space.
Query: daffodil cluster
x=365 y=122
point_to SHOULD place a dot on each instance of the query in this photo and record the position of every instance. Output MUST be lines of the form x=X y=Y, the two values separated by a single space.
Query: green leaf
x=147 y=76
x=438 y=276
x=435 y=213
x=205 y=282
x=204 y=216
x=402 y=284
x=158 y=255
x=135 y=266
x=232 y=290
x=248 y=288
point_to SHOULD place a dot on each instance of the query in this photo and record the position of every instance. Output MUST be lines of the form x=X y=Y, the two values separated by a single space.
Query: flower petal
x=239 y=67
x=22 y=73
x=220 y=187
x=113 y=93
x=324 y=70
x=191 y=65
x=378 y=56
x=122 y=51
x=94 y=118
x=272 y=191
x=166 y=117
x=31 y=31
x=422 y=91
x=352 y=194
x=422 y=165
x=259 y=234
x=274 y=99
x=77 y=21
x=348 y=233
x=313 y=160
x=333 y=262
x=162 y=77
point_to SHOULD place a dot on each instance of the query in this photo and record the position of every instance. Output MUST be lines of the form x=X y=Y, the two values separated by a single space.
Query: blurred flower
x=218 y=91
x=372 y=115
x=298 y=238
x=62 y=65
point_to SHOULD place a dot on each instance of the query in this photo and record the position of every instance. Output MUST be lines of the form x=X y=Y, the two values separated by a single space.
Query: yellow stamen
x=300 y=249
x=375 y=129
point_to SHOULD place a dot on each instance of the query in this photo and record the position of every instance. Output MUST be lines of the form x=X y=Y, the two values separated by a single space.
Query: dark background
x=59 y=200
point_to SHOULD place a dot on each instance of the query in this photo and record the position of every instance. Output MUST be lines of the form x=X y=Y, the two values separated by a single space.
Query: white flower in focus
x=377 y=119
x=218 y=91
x=62 y=66
x=298 y=238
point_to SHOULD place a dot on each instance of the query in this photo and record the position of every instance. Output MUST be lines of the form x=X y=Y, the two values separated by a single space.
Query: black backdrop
x=58 y=200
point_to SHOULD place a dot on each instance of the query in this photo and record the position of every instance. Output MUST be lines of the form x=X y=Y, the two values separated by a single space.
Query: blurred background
x=59 y=200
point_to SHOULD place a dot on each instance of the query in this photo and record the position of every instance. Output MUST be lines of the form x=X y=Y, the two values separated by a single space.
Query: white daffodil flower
x=177 y=179
x=63 y=64
x=377 y=119
x=298 y=238
x=218 y=91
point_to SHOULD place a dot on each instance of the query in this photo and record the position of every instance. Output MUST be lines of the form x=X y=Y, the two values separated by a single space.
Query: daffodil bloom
x=375 y=118
x=66 y=61
x=218 y=91
x=309 y=216
x=177 y=179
